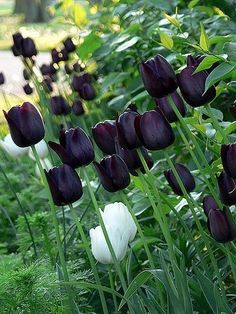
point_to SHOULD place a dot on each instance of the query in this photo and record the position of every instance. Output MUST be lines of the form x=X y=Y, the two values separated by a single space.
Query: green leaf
x=230 y=50
x=113 y=78
x=206 y=63
x=220 y=72
x=166 y=40
x=192 y=3
x=172 y=20
x=91 y=43
x=204 y=41
x=128 y=44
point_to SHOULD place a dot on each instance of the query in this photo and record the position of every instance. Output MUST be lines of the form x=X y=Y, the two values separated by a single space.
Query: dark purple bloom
x=154 y=130
x=16 y=52
x=208 y=204
x=195 y=61
x=59 y=105
x=75 y=148
x=158 y=77
x=104 y=134
x=2 y=78
x=227 y=189
x=65 y=185
x=228 y=157
x=25 y=124
x=113 y=173
x=28 y=89
x=47 y=69
x=166 y=109
x=64 y=55
x=185 y=176
x=69 y=45
x=55 y=55
x=87 y=92
x=79 y=81
x=192 y=87
x=127 y=135
x=17 y=44
x=77 y=67
x=77 y=107
x=28 y=48
x=47 y=83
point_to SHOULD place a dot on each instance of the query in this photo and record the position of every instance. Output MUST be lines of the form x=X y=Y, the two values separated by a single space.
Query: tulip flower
x=2 y=78
x=195 y=61
x=165 y=108
x=28 y=89
x=221 y=226
x=104 y=134
x=227 y=189
x=25 y=124
x=17 y=44
x=47 y=83
x=87 y=92
x=28 y=48
x=75 y=148
x=79 y=81
x=59 y=105
x=42 y=150
x=132 y=160
x=127 y=135
x=208 y=204
x=65 y=185
x=158 y=77
x=228 y=157
x=55 y=54
x=69 y=45
x=11 y=148
x=77 y=107
x=153 y=130
x=192 y=87
x=113 y=173
x=64 y=55
x=48 y=69
x=185 y=176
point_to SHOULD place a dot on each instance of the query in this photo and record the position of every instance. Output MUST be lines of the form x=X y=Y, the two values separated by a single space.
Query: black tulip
x=228 y=157
x=192 y=87
x=55 y=55
x=64 y=55
x=28 y=89
x=185 y=176
x=25 y=124
x=79 y=81
x=17 y=40
x=158 y=77
x=87 y=92
x=154 y=130
x=166 y=109
x=75 y=148
x=2 y=78
x=69 y=45
x=221 y=226
x=113 y=173
x=132 y=160
x=16 y=52
x=48 y=69
x=104 y=134
x=47 y=84
x=227 y=189
x=195 y=61
x=77 y=107
x=59 y=105
x=65 y=185
x=208 y=204
x=127 y=134
x=28 y=48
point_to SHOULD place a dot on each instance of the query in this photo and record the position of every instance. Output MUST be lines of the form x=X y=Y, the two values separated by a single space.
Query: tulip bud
x=192 y=87
x=64 y=55
x=16 y=52
x=68 y=69
x=132 y=160
x=2 y=78
x=55 y=55
x=28 y=89
x=75 y=148
x=166 y=109
x=221 y=226
x=227 y=189
x=127 y=135
x=104 y=134
x=158 y=77
x=69 y=45
x=77 y=107
x=11 y=148
x=185 y=176
x=113 y=173
x=28 y=48
x=87 y=92
x=47 y=69
x=153 y=130
x=77 y=67
x=42 y=150
x=208 y=204
x=25 y=124
x=65 y=185
x=17 y=40
x=59 y=105
x=79 y=81
x=47 y=84
x=228 y=157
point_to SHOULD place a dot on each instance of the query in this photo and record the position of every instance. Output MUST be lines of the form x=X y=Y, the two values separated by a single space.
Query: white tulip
x=117 y=214
x=46 y=164
x=11 y=148
x=41 y=148
x=100 y=248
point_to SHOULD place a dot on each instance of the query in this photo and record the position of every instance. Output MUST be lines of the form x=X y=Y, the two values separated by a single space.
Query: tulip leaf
x=128 y=44
x=204 y=40
x=166 y=40
x=91 y=43
x=230 y=50
x=222 y=71
x=193 y=3
x=172 y=20
x=206 y=63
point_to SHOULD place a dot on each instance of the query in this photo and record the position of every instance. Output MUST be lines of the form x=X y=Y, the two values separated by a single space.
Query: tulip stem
x=56 y=226
x=113 y=288
x=90 y=257
x=95 y=204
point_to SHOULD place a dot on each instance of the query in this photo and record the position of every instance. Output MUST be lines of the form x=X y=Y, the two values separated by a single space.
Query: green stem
x=216 y=124
x=90 y=257
x=113 y=288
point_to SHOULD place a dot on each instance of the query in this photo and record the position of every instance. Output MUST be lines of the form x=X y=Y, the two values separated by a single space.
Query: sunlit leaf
x=166 y=40
x=204 y=41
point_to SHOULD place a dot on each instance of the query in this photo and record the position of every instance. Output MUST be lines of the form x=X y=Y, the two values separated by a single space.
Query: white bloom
x=46 y=164
x=117 y=215
x=11 y=148
x=41 y=148
x=100 y=248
